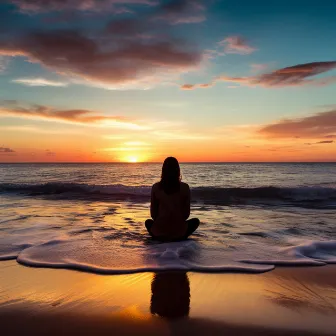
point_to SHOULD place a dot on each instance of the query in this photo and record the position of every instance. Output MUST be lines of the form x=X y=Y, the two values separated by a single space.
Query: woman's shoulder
x=184 y=186
x=156 y=186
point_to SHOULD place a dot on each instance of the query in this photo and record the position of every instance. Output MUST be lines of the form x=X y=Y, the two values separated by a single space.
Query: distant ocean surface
x=90 y=217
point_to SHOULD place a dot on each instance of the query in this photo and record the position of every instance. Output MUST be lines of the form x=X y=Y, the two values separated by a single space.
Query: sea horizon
x=181 y=162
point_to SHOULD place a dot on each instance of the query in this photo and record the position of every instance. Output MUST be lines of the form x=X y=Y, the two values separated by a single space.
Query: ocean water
x=90 y=217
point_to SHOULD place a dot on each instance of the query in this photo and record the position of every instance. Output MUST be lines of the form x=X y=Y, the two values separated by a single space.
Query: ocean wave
x=213 y=195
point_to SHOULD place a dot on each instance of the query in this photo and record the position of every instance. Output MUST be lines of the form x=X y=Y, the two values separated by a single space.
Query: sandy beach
x=286 y=301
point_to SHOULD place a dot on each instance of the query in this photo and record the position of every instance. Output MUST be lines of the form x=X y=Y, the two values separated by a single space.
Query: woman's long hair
x=171 y=176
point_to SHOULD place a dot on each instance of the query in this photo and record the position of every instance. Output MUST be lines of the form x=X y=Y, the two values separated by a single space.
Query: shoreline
x=285 y=301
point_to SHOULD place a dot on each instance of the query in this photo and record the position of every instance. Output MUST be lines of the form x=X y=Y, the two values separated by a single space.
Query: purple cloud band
x=321 y=125
x=297 y=75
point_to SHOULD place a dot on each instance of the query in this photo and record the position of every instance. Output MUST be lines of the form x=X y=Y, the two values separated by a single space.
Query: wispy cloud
x=6 y=150
x=39 y=82
x=237 y=45
x=37 y=6
x=195 y=86
x=126 y=149
x=316 y=126
x=130 y=146
x=114 y=137
x=137 y=143
x=325 y=142
x=258 y=67
x=49 y=153
x=38 y=130
x=75 y=116
x=181 y=11
x=297 y=75
x=179 y=135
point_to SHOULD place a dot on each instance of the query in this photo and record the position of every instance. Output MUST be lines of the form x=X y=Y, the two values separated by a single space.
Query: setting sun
x=130 y=159
x=135 y=158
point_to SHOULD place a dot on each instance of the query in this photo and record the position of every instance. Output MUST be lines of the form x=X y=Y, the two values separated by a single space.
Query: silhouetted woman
x=170 y=205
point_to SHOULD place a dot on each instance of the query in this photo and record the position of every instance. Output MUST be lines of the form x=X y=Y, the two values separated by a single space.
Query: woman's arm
x=154 y=207
x=186 y=205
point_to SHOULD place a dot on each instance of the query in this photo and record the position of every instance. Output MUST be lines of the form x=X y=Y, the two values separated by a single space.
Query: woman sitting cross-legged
x=170 y=206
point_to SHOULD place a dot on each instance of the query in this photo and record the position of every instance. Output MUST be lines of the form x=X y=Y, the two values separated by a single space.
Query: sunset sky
x=139 y=80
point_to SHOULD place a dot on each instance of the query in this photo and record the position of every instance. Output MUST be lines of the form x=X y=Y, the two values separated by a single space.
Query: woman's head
x=171 y=175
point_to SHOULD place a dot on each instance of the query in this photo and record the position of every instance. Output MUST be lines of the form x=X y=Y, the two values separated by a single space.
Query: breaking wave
x=324 y=197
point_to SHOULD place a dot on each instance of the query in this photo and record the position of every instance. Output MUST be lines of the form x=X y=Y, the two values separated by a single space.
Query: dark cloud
x=320 y=142
x=297 y=75
x=139 y=50
x=16 y=109
x=6 y=150
x=319 y=125
x=128 y=27
x=111 y=59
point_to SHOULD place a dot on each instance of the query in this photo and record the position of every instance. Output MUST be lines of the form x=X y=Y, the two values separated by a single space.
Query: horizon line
x=157 y=162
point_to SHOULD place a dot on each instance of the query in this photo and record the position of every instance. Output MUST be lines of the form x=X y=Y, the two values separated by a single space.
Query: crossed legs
x=193 y=224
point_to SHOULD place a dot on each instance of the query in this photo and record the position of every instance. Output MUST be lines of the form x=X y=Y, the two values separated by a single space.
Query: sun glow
x=132 y=159
x=135 y=158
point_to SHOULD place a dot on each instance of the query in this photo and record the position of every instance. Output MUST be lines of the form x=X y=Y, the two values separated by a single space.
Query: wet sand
x=286 y=301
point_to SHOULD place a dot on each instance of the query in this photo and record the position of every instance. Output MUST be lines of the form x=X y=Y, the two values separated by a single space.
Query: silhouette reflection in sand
x=170 y=295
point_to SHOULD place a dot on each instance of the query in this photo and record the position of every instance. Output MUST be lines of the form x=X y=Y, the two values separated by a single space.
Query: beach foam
x=105 y=255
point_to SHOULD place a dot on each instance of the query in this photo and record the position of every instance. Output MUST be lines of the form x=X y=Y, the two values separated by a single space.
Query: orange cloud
x=194 y=86
x=188 y=87
x=319 y=125
x=76 y=116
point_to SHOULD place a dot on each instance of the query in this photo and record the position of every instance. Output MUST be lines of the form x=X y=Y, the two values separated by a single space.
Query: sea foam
x=106 y=256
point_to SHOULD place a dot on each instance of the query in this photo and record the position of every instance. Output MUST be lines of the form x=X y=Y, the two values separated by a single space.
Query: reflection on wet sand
x=170 y=295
